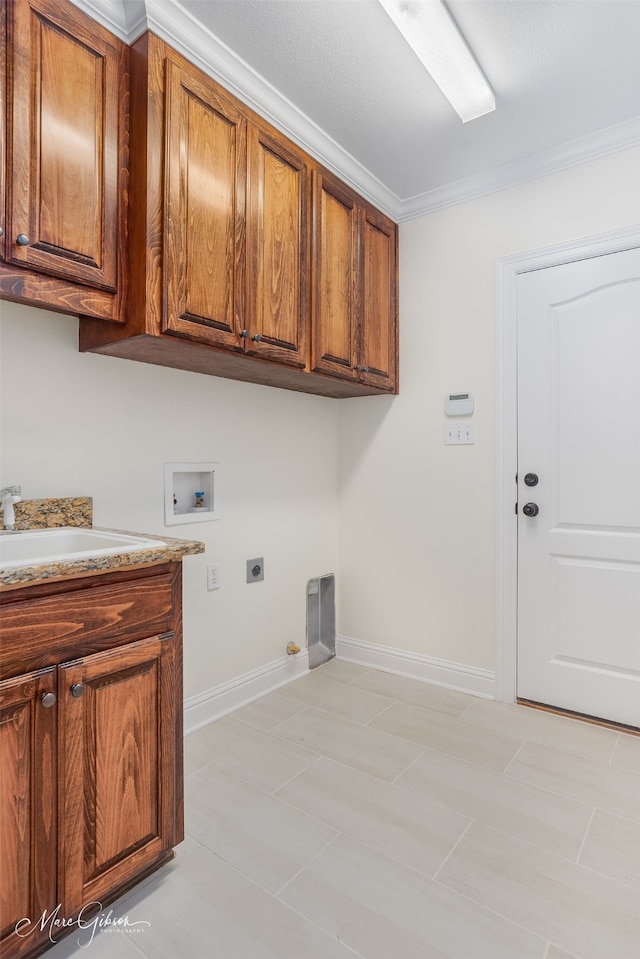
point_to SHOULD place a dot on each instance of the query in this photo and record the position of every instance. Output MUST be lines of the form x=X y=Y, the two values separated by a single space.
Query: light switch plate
x=459 y=434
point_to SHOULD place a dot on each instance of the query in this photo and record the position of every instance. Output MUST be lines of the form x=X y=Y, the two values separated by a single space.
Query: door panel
x=277 y=245
x=378 y=348
x=117 y=739
x=27 y=808
x=579 y=430
x=65 y=183
x=206 y=170
x=335 y=280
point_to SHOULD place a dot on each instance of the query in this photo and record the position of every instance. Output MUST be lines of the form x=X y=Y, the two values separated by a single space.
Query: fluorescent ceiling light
x=434 y=37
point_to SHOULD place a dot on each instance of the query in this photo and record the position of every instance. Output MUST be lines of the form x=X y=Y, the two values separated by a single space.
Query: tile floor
x=358 y=814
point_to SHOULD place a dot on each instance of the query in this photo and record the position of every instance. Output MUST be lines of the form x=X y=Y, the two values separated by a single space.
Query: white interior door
x=578 y=328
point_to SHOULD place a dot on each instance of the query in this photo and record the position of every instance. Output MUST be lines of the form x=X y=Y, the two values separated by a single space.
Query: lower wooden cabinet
x=90 y=756
x=28 y=813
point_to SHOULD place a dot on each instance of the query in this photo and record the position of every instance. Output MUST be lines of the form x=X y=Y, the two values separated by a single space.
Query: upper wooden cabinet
x=63 y=241
x=226 y=267
x=277 y=248
x=354 y=283
x=203 y=225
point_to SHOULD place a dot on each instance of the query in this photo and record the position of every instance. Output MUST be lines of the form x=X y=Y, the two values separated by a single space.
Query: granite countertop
x=169 y=548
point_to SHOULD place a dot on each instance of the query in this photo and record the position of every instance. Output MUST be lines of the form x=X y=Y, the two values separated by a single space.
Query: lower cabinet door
x=27 y=810
x=117 y=716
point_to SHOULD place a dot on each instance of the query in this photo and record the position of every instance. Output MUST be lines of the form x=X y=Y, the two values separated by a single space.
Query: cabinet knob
x=77 y=690
x=244 y=334
x=22 y=239
x=48 y=700
x=1 y=231
x=256 y=337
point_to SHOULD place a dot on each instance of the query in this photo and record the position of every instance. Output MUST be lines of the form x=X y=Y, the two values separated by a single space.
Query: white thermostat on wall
x=458 y=404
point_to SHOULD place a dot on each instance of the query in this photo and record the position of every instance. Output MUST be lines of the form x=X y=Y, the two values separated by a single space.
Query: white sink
x=32 y=547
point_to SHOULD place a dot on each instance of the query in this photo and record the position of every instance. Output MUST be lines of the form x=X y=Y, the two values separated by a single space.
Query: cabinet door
x=27 y=809
x=117 y=716
x=63 y=146
x=334 y=279
x=378 y=335
x=277 y=250
x=204 y=221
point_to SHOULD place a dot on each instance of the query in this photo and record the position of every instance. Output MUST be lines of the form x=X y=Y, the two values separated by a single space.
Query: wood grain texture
x=334 y=279
x=378 y=344
x=277 y=249
x=91 y=789
x=27 y=807
x=117 y=748
x=41 y=631
x=204 y=223
x=187 y=307
x=67 y=158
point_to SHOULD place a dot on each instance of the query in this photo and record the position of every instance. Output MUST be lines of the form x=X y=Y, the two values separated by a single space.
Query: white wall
x=83 y=424
x=417 y=519
x=305 y=477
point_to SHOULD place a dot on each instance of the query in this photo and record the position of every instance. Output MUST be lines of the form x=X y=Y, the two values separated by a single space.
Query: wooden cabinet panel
x=204 y=224
x=64 y=190
x=277 y=246
x=335 y=287
x=27 y=809
x=378 y=347
x=117 y=752
x=40 y=632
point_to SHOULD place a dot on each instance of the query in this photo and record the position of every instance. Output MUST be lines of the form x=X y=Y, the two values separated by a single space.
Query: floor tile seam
x=481 y=820
x=494 y=774
x=544 y=742
x=425 y=876
x=586 y=835
x=295 y=775
x=380 y=782
x=317 y=925
x=514 y=757
x=584 y=802
x=442 y=751
x=505 y=915
x=319 y=852
x=195 y=772
x=393 y=781
x=573 y=754
x=264 y=729
x=304 y=708
x=247 y=782
x=554 y=855
x=496 y=912
x=452 y=850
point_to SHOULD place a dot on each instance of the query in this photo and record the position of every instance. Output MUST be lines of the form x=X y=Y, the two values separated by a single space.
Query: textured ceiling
x=560 y=69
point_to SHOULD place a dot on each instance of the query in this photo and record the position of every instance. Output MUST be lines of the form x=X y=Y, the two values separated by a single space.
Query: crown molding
x=614 y=139
x=128 y=19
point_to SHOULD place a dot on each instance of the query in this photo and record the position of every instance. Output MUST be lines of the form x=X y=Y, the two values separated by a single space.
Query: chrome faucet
x=8 y=496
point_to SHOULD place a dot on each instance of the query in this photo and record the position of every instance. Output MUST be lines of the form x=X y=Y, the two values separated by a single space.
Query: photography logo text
x=90 y=920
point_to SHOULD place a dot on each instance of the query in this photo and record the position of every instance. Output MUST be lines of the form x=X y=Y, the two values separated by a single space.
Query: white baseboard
x=202 y=709
x=439 y=672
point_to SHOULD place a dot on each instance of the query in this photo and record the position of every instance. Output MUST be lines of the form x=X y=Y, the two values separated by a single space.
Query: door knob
x=22 y=239
x=531 y=479
x=48 y=700
x=530 y=509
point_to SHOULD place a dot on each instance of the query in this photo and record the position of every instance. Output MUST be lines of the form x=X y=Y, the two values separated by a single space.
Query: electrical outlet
x=255 y=570
x=459 y=434
x=213 y=575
